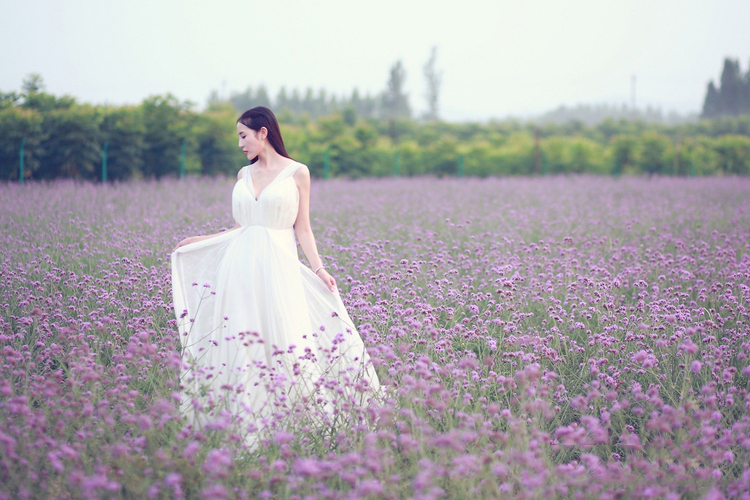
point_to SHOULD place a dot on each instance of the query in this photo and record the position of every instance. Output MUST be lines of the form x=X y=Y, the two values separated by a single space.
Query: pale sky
x=498 y=57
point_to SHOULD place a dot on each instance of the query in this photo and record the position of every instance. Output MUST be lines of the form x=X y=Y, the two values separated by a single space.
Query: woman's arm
x=195 y=239
x=304 y=231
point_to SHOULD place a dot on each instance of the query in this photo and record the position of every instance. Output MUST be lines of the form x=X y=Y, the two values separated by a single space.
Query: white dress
x=260 y=331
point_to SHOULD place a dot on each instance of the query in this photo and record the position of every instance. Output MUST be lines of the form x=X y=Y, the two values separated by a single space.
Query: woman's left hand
x=327 y=278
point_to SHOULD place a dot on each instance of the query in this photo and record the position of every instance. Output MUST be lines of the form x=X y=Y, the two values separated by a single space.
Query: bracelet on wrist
x=319 y=268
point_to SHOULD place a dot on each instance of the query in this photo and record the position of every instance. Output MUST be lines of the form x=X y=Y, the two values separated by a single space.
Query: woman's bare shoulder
x=302 y=172
x=302 y=178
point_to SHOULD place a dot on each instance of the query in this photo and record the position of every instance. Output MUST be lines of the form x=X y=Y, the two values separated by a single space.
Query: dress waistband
x=268 y=228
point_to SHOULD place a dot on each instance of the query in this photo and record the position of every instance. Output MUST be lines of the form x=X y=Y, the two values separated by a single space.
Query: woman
x=261 y=331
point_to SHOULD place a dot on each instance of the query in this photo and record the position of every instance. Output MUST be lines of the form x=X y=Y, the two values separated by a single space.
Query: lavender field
x=557 y=337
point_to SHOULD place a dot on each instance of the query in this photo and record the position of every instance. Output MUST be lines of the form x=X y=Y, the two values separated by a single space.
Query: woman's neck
x=270 y=159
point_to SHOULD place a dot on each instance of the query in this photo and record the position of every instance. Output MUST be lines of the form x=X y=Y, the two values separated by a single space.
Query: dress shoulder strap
x=290 y=169
x=243 y=172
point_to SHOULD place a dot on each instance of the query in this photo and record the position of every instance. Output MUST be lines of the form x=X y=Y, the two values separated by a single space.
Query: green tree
x=166 y=122
x=261 y=98
x=350 y=158
x=702 y=156
x=734 y=154
x=9 y=99
x=243 y=101
x=433 y=80
x=33 y=83
x=34 y=96
x=365 y=106
x=712 y=102
x=731 y=88
x=441 y=157
x=349 y=113
x=124 y=131
x=214 y=99
x=320 y=104
x=72 y=146
x=17 y=124
x=733 y=95
x=624 y=150
x=295 y=103
x=282 y=100
x=585 y=155
x=554 y=151
x=366 y=135
x=308 y=103
x=330 y=127
x=410 y=158
x=516 y=155
x=215 y=136
x=653 y=153
x=394 y=101
x=480 y=159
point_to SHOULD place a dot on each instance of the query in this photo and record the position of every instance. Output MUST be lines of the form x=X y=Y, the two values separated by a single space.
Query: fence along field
x=571 y=336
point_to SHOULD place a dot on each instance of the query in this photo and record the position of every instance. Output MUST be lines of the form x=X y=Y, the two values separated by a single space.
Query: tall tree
x=165 y=125
x=354 y=100
x=394 y=101
x=72 y=148
x=16 y=125
x=282 y=100
x=213 y=99
x=124 y=131
x=433 y=80
x=261 y=97
x=733 y=95
x=34 y=96
x=295 y=102
x=320 y=105
x=308 y=103
x=243 y=100
x=32 y=83
x=712 y=103
x=731 y=87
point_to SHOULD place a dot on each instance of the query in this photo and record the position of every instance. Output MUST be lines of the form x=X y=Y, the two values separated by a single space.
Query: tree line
x=59 y=137
x=392 y=102
x=63 y=138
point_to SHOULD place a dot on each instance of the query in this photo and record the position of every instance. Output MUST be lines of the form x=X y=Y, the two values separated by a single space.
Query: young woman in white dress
x=261 y=332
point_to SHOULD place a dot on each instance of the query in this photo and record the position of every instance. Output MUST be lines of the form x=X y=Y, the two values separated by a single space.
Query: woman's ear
x=262 y=133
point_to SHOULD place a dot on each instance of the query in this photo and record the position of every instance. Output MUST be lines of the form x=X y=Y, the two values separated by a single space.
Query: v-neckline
x=252 y=182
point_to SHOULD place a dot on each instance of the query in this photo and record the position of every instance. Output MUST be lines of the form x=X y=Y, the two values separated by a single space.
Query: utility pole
x=632 y=93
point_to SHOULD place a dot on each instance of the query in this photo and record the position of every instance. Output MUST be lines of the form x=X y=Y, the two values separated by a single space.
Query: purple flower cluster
x=563 y=337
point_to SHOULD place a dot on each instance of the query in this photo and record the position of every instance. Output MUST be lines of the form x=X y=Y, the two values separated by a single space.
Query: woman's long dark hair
x=259 y=117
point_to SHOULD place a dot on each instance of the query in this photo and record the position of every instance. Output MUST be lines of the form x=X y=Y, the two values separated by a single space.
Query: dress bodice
x=274 y=208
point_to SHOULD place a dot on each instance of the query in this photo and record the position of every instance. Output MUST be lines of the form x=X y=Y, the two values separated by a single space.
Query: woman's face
x=251 y=142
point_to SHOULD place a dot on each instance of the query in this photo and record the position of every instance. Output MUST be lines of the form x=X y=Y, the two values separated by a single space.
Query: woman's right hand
x=187 y=241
